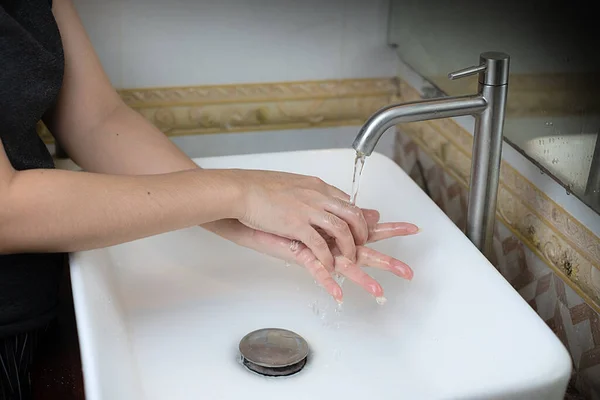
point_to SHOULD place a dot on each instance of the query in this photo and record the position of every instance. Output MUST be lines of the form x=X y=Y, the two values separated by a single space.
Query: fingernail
x=375 y=289
x=414 y=229
x=338 y=295
x=403 y=269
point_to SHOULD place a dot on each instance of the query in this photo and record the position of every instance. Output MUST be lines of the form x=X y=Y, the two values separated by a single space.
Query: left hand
x=298 y=253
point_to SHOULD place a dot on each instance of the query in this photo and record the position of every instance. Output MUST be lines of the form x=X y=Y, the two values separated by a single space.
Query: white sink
x=161 y=318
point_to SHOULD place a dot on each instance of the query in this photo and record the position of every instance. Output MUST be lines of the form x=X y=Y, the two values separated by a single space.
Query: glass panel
x=553 y=113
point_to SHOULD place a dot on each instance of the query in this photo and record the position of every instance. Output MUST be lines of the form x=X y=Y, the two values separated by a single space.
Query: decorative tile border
x=266 y=106
x=568 y=247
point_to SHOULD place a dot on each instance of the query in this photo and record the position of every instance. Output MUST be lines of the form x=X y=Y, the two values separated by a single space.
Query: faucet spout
x=423 y=110
x=488 y=107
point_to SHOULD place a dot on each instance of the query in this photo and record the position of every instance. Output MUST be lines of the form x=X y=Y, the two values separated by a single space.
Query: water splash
x=294 y=244
x=339 y=279
x=359 y=164
x=381 y=300
x=327 y=310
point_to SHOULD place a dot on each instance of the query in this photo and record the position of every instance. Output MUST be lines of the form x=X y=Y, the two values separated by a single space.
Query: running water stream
x=359 y=164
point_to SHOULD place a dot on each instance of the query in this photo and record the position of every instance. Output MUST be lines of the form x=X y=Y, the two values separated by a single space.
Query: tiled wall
x=575 y=323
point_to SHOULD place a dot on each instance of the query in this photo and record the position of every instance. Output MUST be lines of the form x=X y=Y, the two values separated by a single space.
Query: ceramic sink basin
x=162 y=317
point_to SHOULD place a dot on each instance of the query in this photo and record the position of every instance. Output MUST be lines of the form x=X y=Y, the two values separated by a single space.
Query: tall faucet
x=488 y=108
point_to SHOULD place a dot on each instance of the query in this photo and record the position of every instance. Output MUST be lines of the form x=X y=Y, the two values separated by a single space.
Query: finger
x=391 y=229
x=318 y=245
x=358 y=276
x=302 y=255
x=330 y=240
x=285 y=249
x=372 y=258
x=371 y=217
x=339 y=230
x=352 y=215
x=324 y=278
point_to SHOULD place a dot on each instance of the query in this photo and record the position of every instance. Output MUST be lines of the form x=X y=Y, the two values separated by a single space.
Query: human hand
x=297 y=253
x=299 y=207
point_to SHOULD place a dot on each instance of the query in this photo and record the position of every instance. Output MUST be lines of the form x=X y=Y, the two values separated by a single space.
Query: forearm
x=125 y=143
x=55 y=211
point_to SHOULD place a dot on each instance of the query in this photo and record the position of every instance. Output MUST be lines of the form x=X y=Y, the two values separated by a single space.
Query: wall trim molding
x=193 y=110
x=570 y=249
x=210 y=109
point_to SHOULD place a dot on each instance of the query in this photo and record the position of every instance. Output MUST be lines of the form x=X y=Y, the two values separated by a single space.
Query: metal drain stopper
x=274 y=352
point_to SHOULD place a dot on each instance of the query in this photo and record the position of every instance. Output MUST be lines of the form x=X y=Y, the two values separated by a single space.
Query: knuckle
x=349 y=208
x=318 y=241
x=356 y=211
x=313 y=180
x=335 y=222
x=341 y=202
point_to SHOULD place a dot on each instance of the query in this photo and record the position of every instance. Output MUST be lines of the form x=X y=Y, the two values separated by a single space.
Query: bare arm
x=91 y=122
x=50 y=210
x=103 y=135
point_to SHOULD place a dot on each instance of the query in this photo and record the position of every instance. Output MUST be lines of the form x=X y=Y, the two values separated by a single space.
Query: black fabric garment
x=31 y=73
x=16 y=357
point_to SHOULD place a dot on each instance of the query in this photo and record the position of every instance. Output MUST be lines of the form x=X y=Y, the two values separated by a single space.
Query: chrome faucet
x=488 y=108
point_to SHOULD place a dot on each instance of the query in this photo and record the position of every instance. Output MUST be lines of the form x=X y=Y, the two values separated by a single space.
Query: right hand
x=295 y=206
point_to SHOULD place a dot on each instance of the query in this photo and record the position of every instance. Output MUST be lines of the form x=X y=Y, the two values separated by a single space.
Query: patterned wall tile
x=575 y=323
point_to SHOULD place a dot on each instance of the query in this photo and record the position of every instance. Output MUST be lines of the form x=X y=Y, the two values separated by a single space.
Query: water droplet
x=381 y=300
x=339 y=279
x=338 y=308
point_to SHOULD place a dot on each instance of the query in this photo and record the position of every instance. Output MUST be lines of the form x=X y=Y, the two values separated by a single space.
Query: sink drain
x=274 y=352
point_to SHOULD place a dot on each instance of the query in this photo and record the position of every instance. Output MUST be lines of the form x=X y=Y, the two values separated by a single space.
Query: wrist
x=231 y=193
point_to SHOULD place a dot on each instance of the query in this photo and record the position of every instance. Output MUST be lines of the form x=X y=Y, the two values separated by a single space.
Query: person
x=50 y=72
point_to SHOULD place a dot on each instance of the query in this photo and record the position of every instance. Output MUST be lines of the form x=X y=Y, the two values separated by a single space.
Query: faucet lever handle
x=467 y=71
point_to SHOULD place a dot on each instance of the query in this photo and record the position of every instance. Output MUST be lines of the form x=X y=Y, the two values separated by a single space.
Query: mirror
x=553 y=112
